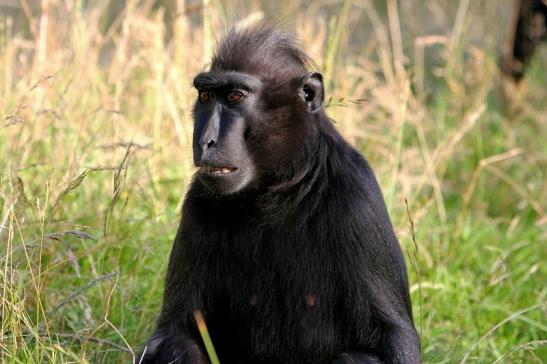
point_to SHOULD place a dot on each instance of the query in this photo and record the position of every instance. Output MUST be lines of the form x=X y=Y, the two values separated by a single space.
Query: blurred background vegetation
x=95 y=156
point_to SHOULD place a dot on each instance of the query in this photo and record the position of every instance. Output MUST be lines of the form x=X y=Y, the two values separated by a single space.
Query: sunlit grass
x=95 y=155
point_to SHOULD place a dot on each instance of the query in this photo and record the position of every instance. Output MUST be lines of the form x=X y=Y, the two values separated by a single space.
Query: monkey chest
x=278 y=307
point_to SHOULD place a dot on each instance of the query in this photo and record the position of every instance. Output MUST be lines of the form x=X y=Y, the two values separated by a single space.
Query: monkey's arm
x=354 y=357
x=377 y=280
x=167 y=347
x=176 y=339
x=387 y=287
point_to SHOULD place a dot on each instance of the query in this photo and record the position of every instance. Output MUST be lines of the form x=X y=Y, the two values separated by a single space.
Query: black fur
x=302 y=264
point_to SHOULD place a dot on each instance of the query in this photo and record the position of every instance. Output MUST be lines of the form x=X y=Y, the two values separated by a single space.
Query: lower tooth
x=217 y=170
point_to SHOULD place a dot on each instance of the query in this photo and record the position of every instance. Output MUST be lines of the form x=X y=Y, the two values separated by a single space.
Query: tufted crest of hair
x=262 y=50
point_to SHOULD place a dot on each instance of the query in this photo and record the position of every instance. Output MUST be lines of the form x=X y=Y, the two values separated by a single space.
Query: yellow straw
x=200 y=321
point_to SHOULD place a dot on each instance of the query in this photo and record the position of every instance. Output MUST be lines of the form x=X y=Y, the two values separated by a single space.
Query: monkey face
x=223 y=113
x=248 y=130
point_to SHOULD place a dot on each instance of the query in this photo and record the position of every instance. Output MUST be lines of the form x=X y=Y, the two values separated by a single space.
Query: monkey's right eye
x=204 y=96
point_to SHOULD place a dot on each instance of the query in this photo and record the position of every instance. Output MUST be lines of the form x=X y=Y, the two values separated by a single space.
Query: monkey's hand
x=167 y=348
x=354 y=357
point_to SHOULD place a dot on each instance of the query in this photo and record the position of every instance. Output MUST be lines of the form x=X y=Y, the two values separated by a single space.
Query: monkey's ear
x=312 y=91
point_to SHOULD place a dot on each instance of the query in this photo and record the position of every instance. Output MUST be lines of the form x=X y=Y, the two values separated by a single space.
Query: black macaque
x=528 y=29
x=285 y=245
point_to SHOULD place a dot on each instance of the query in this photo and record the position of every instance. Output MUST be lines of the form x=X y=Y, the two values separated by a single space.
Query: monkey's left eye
x=233 y=97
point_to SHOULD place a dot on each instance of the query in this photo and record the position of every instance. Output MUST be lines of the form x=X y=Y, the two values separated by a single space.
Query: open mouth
x=217 y=170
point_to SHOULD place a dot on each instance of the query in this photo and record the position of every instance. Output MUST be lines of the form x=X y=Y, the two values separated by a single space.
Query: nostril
x=210 y=143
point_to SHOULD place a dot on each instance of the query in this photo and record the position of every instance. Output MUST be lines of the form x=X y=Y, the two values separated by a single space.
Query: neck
x=306 y=180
